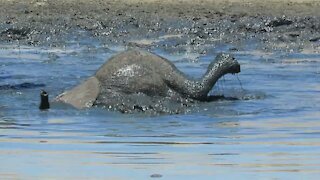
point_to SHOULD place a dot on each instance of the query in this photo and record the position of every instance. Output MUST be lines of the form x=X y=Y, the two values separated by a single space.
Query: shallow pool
x=271 y=132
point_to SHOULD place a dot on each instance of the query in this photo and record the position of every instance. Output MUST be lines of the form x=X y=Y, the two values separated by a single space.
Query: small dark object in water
x=156 y=176
x=25 y=85
x=44 y=103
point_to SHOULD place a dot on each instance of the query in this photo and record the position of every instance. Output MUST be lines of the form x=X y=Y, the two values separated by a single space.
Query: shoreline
x=276 y=24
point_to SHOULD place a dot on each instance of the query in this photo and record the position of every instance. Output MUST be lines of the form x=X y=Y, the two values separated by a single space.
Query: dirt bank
x=291 y=25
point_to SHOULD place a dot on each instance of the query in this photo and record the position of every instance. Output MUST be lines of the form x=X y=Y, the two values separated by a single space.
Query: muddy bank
x=169 y=25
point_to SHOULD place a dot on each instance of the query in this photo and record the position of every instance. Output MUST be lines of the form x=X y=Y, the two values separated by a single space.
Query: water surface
x=271 y=132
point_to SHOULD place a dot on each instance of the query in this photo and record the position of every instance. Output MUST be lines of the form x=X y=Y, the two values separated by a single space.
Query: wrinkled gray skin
x=140 y=81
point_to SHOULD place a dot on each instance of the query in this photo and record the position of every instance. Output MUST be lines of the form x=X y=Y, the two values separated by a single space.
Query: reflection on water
x=272 y=132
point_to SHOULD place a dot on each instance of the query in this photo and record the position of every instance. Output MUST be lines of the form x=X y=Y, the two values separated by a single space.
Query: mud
x=276 y=25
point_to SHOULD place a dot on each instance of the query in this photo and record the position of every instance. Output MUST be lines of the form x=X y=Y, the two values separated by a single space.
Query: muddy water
x=271 y=132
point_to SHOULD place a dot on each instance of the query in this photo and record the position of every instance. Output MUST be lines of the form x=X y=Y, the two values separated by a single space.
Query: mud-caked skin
x=139 y=80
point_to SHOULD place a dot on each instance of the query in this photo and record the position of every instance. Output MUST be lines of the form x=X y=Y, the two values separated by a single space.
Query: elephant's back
x=135 y=71
x=134 y=60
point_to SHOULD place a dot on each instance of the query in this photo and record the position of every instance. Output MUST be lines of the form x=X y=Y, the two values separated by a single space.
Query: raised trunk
x=199 y=89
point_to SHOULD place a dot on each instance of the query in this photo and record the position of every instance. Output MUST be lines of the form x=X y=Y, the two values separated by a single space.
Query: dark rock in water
x=156 y=176
x=233 y=49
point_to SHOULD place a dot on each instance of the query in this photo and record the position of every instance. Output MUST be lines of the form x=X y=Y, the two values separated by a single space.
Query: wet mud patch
x=15 y=34
x=276 y=25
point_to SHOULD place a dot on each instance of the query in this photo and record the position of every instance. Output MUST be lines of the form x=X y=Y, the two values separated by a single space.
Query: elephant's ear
x=83 y=95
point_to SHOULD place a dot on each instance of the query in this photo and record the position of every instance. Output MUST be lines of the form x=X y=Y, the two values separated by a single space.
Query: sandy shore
x=284 y=24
